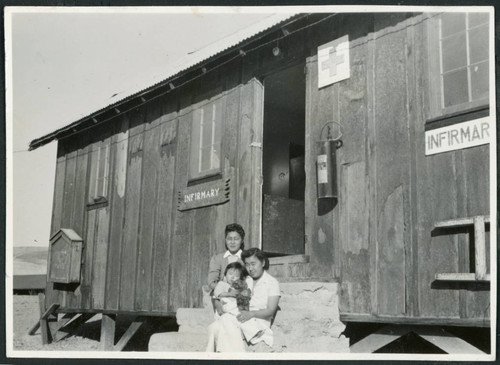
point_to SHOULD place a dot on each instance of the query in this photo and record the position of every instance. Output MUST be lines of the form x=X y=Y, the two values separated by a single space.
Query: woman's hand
x=245 y=316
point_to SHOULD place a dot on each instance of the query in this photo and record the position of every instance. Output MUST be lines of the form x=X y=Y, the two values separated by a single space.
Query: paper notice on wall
x=333 y=61
x=322 y=170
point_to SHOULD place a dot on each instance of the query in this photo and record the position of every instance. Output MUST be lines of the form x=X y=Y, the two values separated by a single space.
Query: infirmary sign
x=206 y=194
x=458 y=136
x=199 y=195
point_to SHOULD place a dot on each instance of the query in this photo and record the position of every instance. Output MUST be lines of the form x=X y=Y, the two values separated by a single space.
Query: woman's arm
x=214 y=269
x=218 y=306
x=267 y=313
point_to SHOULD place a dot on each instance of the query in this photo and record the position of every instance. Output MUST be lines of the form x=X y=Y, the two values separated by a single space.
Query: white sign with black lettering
x=458 y=136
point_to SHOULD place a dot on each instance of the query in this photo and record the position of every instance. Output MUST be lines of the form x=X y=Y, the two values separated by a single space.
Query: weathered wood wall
x=391 y=194
x=140 y=253
x=143 y=255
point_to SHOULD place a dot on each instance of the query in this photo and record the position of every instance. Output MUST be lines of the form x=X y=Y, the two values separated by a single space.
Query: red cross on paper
x=332 y=62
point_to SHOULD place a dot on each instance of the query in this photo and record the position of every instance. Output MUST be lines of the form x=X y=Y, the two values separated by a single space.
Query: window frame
x=97 y=199
x=436 y=102
x=220 y=102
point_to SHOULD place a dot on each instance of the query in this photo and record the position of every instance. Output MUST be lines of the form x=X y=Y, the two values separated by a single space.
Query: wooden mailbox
x=65 y=257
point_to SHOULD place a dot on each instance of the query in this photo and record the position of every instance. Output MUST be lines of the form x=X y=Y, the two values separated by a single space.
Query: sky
x=65 y=65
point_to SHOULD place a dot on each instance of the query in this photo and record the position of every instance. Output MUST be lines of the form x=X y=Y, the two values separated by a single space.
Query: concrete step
x=178 y=342
x=307 y=322
x=194 y=317
x=310 y=312
x=313 y=344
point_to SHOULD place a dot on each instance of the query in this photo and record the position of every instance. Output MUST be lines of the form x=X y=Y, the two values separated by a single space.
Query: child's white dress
x=254 y=330
x=229 y=304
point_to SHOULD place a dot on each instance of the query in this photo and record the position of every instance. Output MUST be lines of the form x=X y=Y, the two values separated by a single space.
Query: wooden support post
x=435 y=335
x=33 y=329
x=44 y=316
x=380 y=338
x=446 y=341
x=108 y=324
x=133 y=328
x=43 y=326
x=480 y=247
x=55 y=327
x=84 y=317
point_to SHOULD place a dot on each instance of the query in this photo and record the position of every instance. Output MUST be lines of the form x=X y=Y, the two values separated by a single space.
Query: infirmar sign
x=211 y=193
x=458 y=136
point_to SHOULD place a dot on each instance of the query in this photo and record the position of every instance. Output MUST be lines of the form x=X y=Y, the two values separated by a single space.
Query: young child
x=232 y=294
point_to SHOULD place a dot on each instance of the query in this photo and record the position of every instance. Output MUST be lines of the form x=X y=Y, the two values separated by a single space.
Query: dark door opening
x=283 y=162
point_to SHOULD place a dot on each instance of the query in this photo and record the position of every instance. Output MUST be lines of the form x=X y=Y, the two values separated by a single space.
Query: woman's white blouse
x=265 y=287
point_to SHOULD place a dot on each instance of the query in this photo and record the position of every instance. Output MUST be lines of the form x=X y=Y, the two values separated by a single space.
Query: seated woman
x=234 y=236
x=228 y=333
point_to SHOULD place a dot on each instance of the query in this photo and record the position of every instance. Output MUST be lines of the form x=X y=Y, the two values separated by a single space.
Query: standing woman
x=234 y=236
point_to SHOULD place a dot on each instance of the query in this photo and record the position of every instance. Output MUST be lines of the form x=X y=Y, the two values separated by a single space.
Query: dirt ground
x=83 y=338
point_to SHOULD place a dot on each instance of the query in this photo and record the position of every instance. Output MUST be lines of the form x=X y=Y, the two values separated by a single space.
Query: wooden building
x=149 y=182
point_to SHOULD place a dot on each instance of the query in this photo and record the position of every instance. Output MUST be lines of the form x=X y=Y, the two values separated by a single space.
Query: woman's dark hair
x=254 y=251
x=235 y=227
x=237 y=266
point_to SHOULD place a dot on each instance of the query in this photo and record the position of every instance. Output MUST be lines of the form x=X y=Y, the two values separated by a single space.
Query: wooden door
x=249 y=189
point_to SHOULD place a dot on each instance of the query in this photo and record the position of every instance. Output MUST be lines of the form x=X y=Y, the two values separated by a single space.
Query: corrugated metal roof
x=184 y=64
x=224 y=44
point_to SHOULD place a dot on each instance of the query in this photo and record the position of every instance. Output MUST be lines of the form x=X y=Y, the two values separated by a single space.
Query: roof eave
x=95 y=117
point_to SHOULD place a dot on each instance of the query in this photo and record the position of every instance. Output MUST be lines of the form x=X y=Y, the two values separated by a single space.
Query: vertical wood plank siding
x=141 y=254
x=389 y=269
x=150 y=171
x=69 y=189
x=78 y=219
x=320 y=106
x=415 y=61
x=164 y=209
x=182 y=228
x=475 y=303
x=69 y=200
x=353 y=170
x=202 y=238
x=227 y=213
x=391 y=160
x=133 y=210
x=249 y=186
x=100 y=258
x=88 y=261
x=119 y=147
x=51 y=294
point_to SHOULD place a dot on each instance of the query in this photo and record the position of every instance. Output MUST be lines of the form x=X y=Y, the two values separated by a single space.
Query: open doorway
x=283 y=162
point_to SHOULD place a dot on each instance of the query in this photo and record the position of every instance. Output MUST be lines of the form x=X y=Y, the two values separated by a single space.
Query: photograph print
x=283 y=182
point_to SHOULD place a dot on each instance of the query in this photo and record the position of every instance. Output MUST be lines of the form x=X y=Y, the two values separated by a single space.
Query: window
x=459 y=62
x=205 y=157
x=99 y=173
